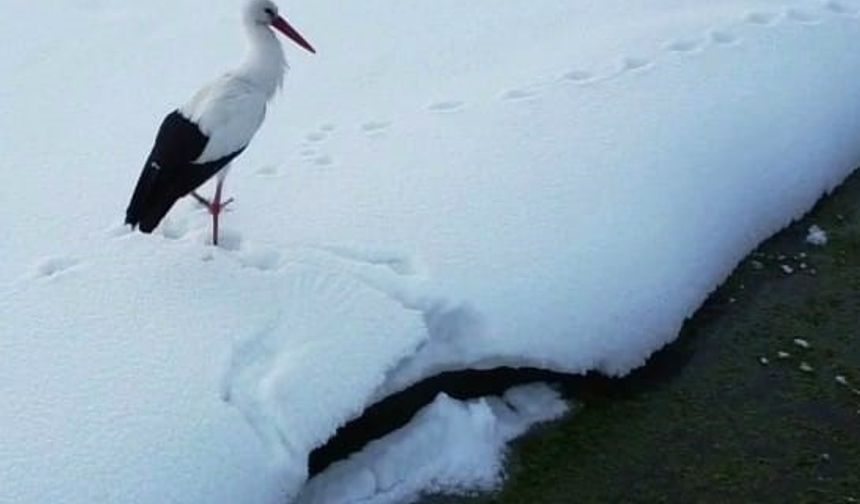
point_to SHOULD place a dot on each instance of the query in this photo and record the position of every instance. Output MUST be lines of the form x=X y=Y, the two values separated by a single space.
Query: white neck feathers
x=264 y=63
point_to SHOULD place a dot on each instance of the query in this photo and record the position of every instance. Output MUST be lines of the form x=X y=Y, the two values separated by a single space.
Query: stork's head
x=265 y=13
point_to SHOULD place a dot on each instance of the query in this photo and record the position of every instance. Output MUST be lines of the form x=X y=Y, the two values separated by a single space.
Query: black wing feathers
x=169 y=173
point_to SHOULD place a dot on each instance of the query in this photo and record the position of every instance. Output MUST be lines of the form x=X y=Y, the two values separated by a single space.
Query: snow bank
x=436 y=190
x=450 y=447
x=326 y=351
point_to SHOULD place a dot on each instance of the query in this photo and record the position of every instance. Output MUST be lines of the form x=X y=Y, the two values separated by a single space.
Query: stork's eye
x=270 y=11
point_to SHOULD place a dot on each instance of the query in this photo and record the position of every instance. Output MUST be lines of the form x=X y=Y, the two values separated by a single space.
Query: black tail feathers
x=170 y=172
x=153 y=197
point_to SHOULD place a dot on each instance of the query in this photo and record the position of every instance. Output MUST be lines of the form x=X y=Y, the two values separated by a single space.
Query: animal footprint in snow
x=446 y=106
x=634 y=63
x=518 y=95
x=323 y=161
x=839 y=7
x=761 y=18
x=723 y=37
x=802 y=16
x=315 y=137
x=375 y=127
x=685 y=45
x=53 y=266
x=267 y=171
x=580 y=76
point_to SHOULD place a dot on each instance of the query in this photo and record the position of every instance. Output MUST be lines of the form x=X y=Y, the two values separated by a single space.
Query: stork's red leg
x=215 y=209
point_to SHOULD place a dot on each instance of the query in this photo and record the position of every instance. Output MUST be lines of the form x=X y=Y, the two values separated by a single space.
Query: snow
x=444 y=185
x=299 y=360
x=817 y=236
x=461 y=446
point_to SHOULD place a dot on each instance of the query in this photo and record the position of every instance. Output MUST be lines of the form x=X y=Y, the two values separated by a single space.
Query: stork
x=199 y=140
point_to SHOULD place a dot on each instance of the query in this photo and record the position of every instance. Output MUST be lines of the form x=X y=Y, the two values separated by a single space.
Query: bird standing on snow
x=200 y=139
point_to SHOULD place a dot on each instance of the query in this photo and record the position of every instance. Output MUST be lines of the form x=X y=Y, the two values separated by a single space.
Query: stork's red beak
x=285 y=28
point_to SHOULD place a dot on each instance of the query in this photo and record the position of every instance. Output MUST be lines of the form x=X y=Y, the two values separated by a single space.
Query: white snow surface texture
x=447 y=184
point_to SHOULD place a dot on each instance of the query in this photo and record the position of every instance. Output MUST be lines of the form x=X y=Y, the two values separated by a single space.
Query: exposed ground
x=720 y=416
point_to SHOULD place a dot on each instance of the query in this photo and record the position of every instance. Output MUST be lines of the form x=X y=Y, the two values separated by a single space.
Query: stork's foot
x=214 y=207
x=200 y=199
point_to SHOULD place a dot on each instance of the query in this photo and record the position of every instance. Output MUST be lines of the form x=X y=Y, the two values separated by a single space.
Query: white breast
x=229 y=111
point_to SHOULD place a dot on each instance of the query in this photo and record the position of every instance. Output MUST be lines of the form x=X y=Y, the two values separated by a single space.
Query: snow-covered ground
x=446 y=184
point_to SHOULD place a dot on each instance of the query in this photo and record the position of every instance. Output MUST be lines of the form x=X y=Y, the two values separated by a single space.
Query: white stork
x=201 y=138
